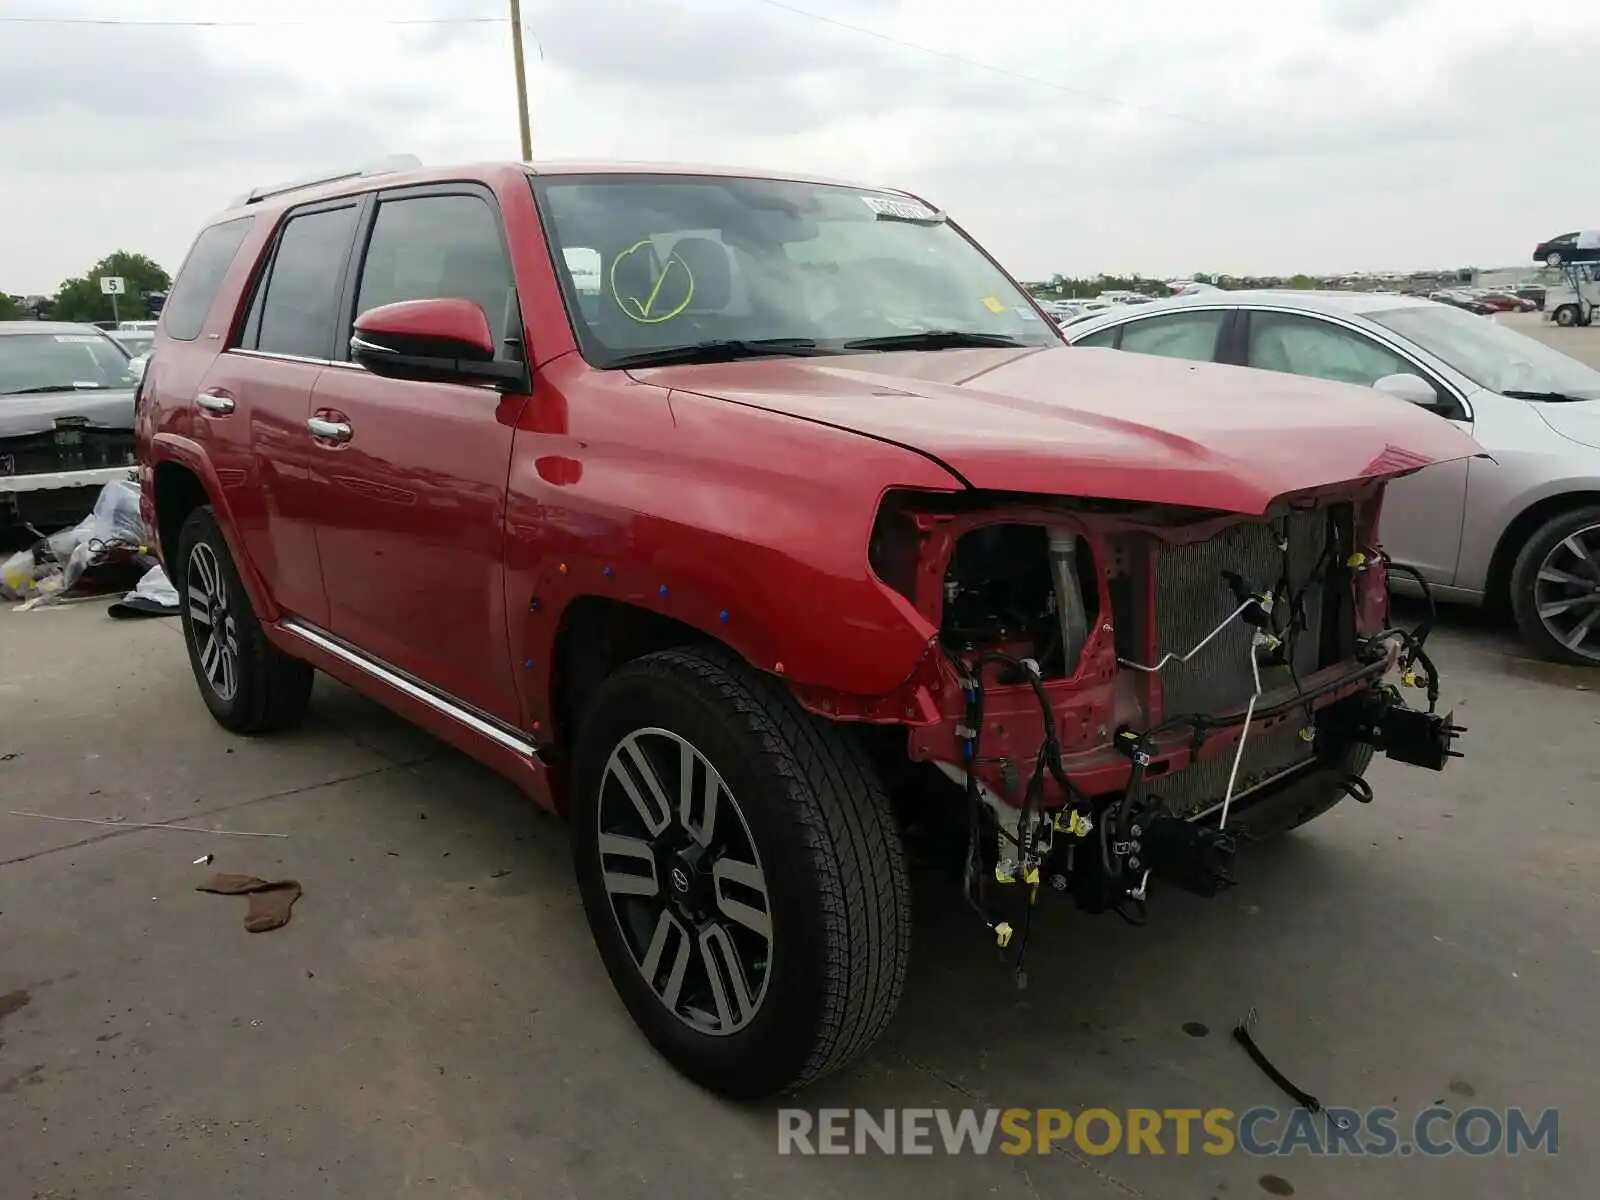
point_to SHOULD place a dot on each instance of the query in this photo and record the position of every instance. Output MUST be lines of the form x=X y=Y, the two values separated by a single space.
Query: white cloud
x=1250 y=136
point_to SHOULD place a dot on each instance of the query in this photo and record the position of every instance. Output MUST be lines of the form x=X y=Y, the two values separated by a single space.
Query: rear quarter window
x=200 y=277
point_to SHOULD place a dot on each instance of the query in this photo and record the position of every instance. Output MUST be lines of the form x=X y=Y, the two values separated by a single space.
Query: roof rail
x=383 y=166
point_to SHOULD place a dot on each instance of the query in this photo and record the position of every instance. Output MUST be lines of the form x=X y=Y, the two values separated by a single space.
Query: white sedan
x=1519 y=529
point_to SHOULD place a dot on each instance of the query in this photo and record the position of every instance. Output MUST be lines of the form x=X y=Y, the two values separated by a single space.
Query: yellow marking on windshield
x=640 y=310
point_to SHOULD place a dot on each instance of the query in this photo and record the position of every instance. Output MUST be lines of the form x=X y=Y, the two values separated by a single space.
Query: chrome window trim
x=274 y=356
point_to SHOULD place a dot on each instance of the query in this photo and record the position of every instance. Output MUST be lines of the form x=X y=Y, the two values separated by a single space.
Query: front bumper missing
x=47 y=481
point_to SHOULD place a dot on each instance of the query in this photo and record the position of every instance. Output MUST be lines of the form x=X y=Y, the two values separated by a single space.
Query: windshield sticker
x=895 y=208
x=78 y=339
x=668 y=296
x=1026 y=313
x=993 y=305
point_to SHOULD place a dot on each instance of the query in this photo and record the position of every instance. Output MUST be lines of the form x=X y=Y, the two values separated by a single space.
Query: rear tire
x=1538 y=581
x=802 y=830
x=1553 y=259
x=250 y=686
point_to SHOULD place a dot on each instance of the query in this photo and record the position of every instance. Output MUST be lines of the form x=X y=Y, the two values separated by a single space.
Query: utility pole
x=522 y=79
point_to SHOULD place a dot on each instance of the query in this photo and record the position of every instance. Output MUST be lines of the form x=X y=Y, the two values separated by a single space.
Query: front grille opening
x=1000 y=594
x=70 y=448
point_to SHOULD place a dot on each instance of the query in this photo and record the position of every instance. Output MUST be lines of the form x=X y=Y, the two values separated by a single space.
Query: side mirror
x=433 y=341
x=136 y=367
x=1411 y=388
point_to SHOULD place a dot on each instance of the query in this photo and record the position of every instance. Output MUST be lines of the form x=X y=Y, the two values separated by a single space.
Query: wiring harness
x=1135 y=836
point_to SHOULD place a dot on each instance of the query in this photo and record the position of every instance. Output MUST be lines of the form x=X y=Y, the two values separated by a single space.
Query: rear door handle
x=333 y=431
x=215 y=402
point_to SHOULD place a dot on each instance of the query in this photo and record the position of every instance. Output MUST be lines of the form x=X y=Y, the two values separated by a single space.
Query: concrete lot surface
x=434 y=1021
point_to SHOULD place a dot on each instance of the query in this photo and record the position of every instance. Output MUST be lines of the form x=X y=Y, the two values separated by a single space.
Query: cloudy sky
x=1077 y=136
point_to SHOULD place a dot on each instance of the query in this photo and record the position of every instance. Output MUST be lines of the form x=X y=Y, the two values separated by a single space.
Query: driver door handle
x=333 y=431
x=215 y=402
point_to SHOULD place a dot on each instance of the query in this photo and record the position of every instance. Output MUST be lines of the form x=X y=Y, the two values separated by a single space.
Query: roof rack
x=383 y=166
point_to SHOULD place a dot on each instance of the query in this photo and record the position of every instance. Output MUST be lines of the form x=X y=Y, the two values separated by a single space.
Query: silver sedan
x=1518 y=530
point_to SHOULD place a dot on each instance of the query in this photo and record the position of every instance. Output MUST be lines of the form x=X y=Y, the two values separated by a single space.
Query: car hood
x=107 y=408
x=1101 y=423
x=1577 y=420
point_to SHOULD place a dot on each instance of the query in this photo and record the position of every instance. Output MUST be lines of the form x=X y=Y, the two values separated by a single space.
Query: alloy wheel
x=1566 y=592
x=684 y=881
x=211 y=622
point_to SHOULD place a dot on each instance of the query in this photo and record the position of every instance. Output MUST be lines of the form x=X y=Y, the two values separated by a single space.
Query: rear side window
x=1191 y=335
x=1105 y=338
x=437 y=247
x=200 y=277
x=300 y=297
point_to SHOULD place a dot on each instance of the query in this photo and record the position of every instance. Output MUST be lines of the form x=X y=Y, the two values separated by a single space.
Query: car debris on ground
x=107 y=544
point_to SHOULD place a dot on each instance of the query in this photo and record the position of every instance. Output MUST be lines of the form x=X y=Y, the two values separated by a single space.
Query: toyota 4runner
x=753 y=522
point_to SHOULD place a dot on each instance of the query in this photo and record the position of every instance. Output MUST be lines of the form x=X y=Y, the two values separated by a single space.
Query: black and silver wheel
x=216 y=637
x=1566 y=315
x=249 y=685
x=1553 y=259
x=1555 y=588
x=741 y=872
x=684 y=881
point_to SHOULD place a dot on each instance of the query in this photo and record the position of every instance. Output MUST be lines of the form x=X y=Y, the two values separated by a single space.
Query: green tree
x=1301 y=281
x=80 y=298
x=10 y=310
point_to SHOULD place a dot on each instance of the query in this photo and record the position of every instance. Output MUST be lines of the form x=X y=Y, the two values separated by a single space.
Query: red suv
x=763 y=526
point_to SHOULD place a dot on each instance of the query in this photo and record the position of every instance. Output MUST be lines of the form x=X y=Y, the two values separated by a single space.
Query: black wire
x=1425 y=627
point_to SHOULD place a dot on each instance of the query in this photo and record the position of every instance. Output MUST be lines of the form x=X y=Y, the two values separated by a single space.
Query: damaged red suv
x=757 y=524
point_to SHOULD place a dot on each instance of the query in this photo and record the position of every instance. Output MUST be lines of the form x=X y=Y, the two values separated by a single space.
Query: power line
x=157 y=22
x=794 y=10
x=979 y=64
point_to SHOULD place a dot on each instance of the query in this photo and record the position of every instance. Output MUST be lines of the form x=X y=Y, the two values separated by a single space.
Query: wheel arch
x=594 y=637
x=181 y=480
x=1497 y=581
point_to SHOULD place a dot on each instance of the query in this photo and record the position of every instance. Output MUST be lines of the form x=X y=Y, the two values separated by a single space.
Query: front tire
x=741 y=872
x=1555 y=588
x=249 y=685
x=1566 y=316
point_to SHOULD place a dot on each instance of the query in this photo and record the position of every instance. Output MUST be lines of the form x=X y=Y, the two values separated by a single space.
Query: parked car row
x=1486 y=301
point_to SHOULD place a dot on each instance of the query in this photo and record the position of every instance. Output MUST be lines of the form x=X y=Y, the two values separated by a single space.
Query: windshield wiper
x=718 y=350
x=1549 y=397
x=57 y=387
x=932 y=339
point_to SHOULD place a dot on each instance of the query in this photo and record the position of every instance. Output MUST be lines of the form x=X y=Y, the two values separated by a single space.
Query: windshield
x=61 y=362
x=1491 y=355
x=662 y=262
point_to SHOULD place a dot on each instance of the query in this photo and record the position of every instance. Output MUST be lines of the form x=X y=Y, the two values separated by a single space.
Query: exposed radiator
x=1192 y=597
x=1267 y=755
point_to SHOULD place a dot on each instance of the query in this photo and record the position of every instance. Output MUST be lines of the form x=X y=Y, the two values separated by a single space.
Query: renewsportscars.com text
x=1259 y=1132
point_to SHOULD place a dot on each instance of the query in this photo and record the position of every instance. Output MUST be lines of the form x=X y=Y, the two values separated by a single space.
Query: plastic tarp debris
x=153 y=597
x=53 y=566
